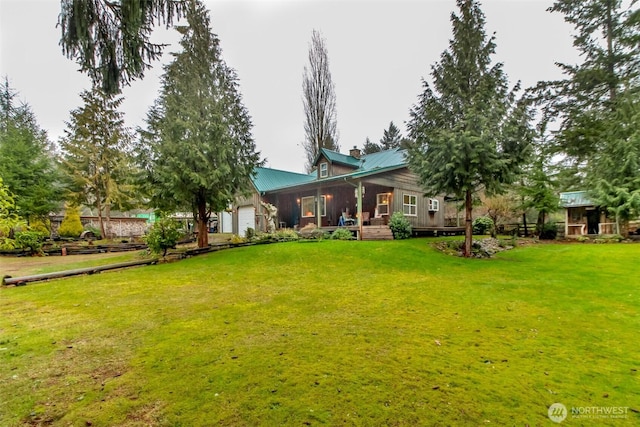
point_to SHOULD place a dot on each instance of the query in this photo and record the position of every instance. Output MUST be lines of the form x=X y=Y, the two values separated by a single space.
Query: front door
x=593 y=220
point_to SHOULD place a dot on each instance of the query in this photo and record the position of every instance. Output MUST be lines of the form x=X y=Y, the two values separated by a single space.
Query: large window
x=383 y=203
x=324 y=170
x=308 y=206
x=410 y=204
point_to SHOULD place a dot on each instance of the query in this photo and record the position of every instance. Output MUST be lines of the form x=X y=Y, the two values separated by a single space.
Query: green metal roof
x=335 y=157
x=266 y=179
x=575 y=199
x=383 y=160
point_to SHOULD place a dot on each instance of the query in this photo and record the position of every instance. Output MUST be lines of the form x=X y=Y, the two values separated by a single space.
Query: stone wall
x=117 y=227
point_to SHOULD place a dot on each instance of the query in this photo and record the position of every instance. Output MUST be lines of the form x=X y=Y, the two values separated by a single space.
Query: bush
x=400 y=226
x=250 y=234
x=164 y=234
x=548 y=231
x=286 y=235
x=237 y=240
x=94 y=230
x=41 y=225
x=311 y=232
x=342 y=234
x=30 y=241
x=71 y=225
x=482 y=225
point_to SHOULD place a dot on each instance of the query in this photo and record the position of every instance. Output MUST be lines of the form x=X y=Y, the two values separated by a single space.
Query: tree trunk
x=203 y=222
x=524 y=223
x=107 y=211
x=103 y=235
x=468 y=226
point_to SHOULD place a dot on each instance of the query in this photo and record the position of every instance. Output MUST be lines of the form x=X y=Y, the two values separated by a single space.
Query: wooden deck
x=369 y=232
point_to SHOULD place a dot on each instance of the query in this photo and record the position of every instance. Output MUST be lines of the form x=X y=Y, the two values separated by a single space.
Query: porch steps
x=376 y=232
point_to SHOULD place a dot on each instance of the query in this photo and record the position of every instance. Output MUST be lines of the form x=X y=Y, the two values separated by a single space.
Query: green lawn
x=26 y=266
x=334 y=333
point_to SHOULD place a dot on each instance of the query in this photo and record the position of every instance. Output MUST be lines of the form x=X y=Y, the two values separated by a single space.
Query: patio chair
x=365 y=218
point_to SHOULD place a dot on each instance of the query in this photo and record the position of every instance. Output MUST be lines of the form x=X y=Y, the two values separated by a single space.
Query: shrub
x=31 y=241
x=286 y=235
x=250 y=233
x=94 y=230
x=71 y=225
x=164 y=234
x=236 y=240
x=41 y=225
x=400 y=226
x=342 y=234
x=311 y=232
x=482 y=225
x=548 y=231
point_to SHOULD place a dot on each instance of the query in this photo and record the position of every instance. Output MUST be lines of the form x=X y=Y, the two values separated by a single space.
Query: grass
x=26 y=266
x=333 y=333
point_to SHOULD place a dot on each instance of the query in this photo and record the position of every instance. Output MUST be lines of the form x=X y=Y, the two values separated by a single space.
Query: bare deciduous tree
x=319 y=101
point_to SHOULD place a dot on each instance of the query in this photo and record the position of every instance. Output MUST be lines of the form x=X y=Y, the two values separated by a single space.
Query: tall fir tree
x=26 y=165
x=110 y=39
x=470 y=132
x=370 y=147
x=596 y=104
x=391 y=138
x=97 y=158
x=319 y=101
x=606 y=37
x=198 y=150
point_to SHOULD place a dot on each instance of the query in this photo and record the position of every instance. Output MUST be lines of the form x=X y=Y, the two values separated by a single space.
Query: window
x=383 y=203
x=324 y=170
x=308 y=206
x=410 y=204
x=434 y=205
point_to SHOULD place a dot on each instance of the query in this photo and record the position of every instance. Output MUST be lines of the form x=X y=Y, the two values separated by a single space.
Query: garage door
x=226 y=220
x=246 y=219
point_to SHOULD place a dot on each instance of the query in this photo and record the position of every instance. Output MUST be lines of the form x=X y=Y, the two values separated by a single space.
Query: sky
x=379 y=53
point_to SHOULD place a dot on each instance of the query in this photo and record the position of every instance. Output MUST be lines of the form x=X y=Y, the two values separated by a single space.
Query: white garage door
x=246 y=219
x=227 y=222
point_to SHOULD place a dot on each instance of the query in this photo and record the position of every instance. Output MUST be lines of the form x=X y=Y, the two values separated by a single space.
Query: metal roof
x=575 y=199
x=335 y=157
x=266 y=179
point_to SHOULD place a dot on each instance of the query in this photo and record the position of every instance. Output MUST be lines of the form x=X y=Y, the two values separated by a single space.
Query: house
x=583 y=217
x=351 y=190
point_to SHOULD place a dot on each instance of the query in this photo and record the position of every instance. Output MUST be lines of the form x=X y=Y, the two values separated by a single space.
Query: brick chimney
x=355 y=152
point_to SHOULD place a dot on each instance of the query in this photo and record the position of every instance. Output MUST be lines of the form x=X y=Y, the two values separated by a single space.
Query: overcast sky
x=379 y=52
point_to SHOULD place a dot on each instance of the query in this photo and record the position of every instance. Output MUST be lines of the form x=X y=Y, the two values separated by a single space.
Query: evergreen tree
x=614 y=177
x=9 y=220
x=319 y=100
x=97 y=156
x=597 y=103
x=538 y=191
x=71 y=226
x=370 y=147
x=392 y=138
x=470 y=133
x=26 y=166
x=110 y=39
x=198 y=150
x=606 y=37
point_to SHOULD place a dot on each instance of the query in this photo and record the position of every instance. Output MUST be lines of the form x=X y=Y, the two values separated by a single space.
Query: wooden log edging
x=20 y=281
